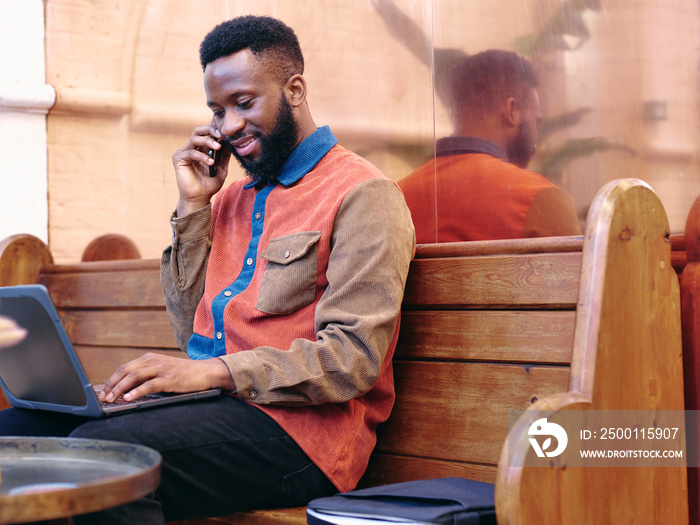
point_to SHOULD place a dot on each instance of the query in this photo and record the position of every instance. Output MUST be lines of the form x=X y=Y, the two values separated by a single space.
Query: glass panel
x=617 y=84
x=372 y=80
x=618 y=92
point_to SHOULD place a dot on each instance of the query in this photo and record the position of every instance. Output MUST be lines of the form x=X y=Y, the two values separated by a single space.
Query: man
x=477 y=187
x=285 y=292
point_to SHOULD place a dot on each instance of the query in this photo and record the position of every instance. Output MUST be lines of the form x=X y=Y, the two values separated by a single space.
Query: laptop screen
x=38 y=368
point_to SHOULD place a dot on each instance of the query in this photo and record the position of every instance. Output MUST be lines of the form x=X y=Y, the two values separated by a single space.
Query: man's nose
x=232 y=124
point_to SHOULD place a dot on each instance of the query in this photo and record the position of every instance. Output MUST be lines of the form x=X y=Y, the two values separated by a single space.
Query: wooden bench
x=487 y=328
x=689 y=256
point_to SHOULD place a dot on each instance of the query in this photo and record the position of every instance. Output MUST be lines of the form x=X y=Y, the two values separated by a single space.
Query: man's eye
x=245 y=104
x=218 y=113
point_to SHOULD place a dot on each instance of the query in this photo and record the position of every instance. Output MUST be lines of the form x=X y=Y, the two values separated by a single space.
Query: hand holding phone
x=216 y=155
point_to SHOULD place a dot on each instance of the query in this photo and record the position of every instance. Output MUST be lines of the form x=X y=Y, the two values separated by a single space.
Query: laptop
x=43 y=372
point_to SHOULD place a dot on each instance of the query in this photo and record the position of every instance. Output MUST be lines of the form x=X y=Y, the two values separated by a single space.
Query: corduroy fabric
x=322 y=371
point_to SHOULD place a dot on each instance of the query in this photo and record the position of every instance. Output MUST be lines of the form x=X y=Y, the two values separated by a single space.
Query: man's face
x=524 y=143
x=252 y=113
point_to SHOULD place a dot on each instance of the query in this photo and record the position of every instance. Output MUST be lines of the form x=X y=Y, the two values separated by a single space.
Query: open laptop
x=44 y=372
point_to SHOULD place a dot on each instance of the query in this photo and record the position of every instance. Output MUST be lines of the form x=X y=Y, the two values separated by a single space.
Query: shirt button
x=286 y=254
x=219 y=335
x=249 y=261
x=258 y=216
x=253 y=394
x=228 y=293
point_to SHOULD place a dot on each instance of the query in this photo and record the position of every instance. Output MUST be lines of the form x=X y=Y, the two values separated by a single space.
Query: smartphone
x=216 y=155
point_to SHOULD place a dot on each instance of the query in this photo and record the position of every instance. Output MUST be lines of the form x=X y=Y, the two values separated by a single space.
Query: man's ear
x=295 y=89
x=512 y=114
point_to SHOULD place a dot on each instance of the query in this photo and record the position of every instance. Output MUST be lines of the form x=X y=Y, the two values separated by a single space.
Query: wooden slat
x=101 y=289
x=498 y=281
x=391 y=468
x=690 y=319
x=104 y=266
x=101 y=362
x=292 y=516
x=519 y=336
x=500 y=247
x=135 y=328
x=459 y=411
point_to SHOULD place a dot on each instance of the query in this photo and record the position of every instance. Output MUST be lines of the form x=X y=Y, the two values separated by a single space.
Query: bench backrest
x=487 y=328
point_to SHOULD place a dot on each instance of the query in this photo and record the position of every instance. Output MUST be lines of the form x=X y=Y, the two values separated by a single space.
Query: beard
x=275 y=147
x=523 y=148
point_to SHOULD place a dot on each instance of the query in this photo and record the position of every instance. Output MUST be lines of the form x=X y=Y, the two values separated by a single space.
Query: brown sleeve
x=551 y=214
x=183 y=269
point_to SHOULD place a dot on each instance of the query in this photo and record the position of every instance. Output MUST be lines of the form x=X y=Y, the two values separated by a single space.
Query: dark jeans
x=220 y=455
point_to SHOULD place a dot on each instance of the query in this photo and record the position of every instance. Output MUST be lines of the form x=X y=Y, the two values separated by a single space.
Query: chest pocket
x=289 y=281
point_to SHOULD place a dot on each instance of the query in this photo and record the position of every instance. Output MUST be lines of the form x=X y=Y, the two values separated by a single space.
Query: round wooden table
x=46 y=478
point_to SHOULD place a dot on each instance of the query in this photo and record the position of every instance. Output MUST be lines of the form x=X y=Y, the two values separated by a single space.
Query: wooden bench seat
x=487 y=328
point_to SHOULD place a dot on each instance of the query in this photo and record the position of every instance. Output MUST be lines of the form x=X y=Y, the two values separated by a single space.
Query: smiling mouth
x=245 y=145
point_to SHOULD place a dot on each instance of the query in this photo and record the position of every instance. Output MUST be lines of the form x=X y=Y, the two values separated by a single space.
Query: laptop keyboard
x=121 y=401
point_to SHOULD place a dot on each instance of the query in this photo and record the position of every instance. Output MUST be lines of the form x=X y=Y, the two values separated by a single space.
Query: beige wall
x=129 y=92
x=639 y=52
x=25 y=99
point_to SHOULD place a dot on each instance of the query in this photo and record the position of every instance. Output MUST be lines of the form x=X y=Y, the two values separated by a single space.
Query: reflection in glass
x=477 y=186
x=617 y=82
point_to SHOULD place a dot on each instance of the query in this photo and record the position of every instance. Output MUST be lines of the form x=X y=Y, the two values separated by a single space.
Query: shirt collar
x=457 y=145
x=305 y=156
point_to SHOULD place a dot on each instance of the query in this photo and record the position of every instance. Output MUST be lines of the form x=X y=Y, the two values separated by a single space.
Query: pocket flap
x=287 y=249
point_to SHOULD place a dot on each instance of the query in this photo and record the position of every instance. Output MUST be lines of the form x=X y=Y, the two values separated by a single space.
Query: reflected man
x=477 y=187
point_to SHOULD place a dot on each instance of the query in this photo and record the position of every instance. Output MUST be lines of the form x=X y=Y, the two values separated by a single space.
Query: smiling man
x=285 y=291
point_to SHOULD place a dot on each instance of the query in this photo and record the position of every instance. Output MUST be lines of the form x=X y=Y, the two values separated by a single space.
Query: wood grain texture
x=104 y=287
x=291 y=516
x=459 y=411
x=391 y=468
x=21 y=259
x=626 y=356
x=119 y=327
x=690 y=321
x=101 y=362
x=498 y=281
x=544 y=336
x=500 y=247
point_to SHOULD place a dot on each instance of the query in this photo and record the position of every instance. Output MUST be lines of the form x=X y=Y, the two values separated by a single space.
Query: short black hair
x=486 y=79
x=270 y=40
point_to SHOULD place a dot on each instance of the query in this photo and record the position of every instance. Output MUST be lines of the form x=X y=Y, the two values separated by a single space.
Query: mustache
x=232 y=140
x=227 y=143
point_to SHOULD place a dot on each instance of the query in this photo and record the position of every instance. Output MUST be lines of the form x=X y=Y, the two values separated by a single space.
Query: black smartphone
x=216 y=155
